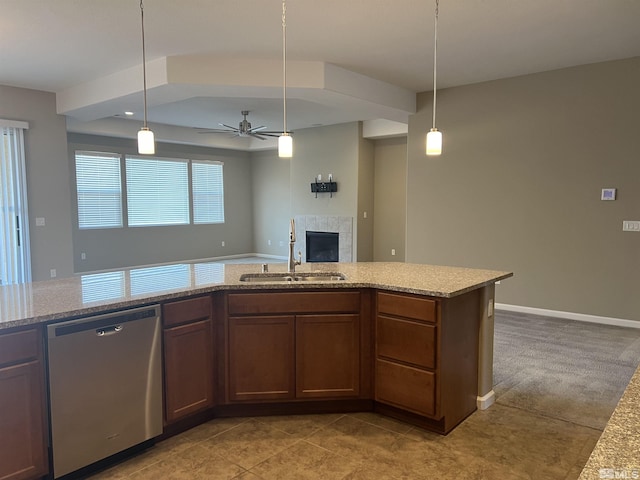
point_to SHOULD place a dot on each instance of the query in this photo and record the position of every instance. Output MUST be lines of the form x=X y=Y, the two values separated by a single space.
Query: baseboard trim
x=581 y=317
x=486 y=400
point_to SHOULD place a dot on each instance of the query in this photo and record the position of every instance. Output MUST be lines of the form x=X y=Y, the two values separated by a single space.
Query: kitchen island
x=409 y=341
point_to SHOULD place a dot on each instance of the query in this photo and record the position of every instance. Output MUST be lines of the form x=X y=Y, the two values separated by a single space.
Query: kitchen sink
x=311 y=277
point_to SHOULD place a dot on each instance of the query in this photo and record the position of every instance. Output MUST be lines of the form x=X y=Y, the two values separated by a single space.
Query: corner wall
x=48 y=188
x=518 y=186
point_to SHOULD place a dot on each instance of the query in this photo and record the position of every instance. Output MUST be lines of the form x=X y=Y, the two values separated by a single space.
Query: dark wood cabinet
x=261 y=358
x=327 y=356
x=189 y=376
x=426 y=358
x=23 y=439
x=295 y=346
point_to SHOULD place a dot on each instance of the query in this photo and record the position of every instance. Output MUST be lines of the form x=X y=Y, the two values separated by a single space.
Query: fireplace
x=322 y=246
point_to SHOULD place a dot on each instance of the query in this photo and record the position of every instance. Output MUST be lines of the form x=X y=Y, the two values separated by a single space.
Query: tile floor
x=499 y=443
x=550 y=439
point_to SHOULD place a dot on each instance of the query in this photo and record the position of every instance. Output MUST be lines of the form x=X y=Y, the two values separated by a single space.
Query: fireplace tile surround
x=326 y=223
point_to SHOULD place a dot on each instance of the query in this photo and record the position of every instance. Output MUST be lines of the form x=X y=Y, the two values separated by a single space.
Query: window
x=99 y=190
x=208 y=192
x=157 y=191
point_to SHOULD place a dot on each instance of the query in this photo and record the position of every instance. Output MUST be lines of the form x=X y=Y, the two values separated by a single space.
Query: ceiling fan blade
x=216 y=130
x=259 y=137
x=228 y=126
x=256 y=129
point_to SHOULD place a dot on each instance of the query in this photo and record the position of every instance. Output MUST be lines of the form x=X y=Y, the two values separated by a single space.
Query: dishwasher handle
x=110 y=330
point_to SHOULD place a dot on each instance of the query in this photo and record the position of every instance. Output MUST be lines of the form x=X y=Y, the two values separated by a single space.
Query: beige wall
x=518 y=186
x=390 y=201
x=122 y=247
x=366 y=175
x=47 y=178
x=324 y=150
x=271 y=202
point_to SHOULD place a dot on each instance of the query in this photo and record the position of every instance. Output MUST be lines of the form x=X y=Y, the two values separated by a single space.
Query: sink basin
x=310 y=277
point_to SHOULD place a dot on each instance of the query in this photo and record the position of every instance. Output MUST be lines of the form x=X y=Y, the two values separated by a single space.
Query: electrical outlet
x=83 y=256
x=281 y=243
x=490 y=308
x=53 y=273
x=40 y=222
x=364 y=214
x=393 y=251
x=269 y=242
x=222 y=243
x=631 y=226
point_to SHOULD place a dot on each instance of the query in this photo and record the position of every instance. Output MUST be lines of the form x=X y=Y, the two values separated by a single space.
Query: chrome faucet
x=292 y=241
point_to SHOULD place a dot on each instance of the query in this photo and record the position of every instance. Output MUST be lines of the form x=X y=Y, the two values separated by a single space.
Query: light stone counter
x=617 y=453
x=52 y=300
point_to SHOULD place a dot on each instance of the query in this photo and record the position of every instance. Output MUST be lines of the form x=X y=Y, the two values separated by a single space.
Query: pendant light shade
x=434 y=142
x=285 y=146
x=146 y=140
x=285 y=142
x=434 y=137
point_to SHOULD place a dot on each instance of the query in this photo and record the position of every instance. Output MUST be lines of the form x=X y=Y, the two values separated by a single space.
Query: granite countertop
x=617 y=453
x=85 y=294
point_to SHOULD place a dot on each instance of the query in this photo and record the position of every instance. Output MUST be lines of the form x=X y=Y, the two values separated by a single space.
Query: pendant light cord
x=435 y=63
x=144 y=67
x=284 y=65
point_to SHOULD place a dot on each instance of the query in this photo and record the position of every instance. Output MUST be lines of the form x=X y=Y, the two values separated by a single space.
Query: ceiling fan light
x=146 y=142
x=434 y=142
x=285 y=146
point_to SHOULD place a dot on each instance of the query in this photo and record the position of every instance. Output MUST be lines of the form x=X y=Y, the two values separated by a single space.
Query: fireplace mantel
x=326 y=223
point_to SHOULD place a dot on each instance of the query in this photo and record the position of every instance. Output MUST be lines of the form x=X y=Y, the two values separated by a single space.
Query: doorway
x=15 y=258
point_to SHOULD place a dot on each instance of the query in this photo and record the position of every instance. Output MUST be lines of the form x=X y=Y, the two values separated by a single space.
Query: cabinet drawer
x=406 y=387
x=407 y=306
x=407 y=341
x=183 y=311
x=19 y=346
x=293 y=302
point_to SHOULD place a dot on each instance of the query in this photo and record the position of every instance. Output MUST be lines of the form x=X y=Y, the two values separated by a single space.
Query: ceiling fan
x=244 y=129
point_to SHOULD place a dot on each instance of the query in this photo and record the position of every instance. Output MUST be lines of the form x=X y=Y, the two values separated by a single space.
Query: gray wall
x=518 y=186
x=390 y=199
x=122 y=247
x=271 y=202
x=47 y=178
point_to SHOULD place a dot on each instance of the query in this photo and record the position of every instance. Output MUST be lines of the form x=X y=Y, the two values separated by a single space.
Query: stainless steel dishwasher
x=105 y=385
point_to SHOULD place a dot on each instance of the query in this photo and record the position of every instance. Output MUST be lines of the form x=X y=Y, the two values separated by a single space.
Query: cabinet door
x=261 y=358
x=327 y=356
x=188 y=369
x=22 y=439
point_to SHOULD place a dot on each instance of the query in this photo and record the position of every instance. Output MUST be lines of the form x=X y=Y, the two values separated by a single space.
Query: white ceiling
x=346 y=59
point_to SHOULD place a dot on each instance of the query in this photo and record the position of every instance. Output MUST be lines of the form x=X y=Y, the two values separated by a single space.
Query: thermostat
x=608 y=194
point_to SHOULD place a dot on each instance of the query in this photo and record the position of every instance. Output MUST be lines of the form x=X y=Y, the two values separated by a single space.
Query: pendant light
x=285 y=142
x=146 y=141
x=434 y=137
